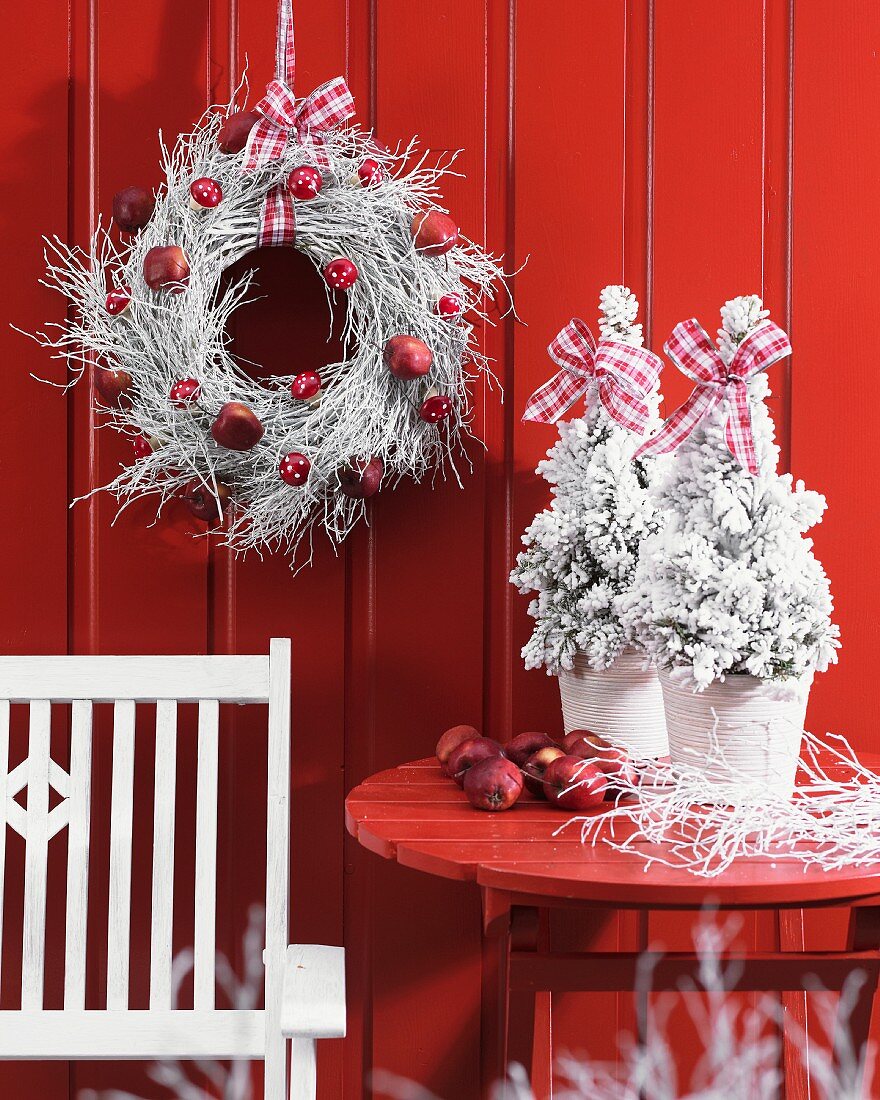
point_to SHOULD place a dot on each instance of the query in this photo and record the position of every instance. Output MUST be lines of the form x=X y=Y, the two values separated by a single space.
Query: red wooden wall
x=695 y=149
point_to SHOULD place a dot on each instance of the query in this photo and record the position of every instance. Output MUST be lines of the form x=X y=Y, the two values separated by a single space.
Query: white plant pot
x=623 y=703
x=736 y=730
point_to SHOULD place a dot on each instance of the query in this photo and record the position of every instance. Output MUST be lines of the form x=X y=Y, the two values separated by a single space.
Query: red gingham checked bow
x=327 y=106
x=695 y=355
x=625 y=374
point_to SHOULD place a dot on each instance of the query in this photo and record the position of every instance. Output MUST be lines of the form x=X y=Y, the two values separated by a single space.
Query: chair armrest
x=313 y=1000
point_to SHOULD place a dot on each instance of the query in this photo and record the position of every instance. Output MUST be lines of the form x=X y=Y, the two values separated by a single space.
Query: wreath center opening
x=286 y=326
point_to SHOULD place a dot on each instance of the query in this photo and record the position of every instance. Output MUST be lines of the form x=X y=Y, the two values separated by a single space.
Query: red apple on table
x=112 y=385
x=237 y=427
x=536 y=765
x=166 y=268
x=235 y=131
x=574 y=784
x=573 y=741
x=464 y=756
x=132 y=208
x=493 y=784
x=614 y=763
x=453 y=737
x=407 y=357
x=521 y=747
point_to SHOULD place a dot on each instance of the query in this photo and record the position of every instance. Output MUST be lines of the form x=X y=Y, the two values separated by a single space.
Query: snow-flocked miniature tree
x=727 y=583
x=580 y=554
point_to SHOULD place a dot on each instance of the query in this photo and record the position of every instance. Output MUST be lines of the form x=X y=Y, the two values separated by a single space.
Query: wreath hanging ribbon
x=690 y=348
x=625 y=375
x=327 y=107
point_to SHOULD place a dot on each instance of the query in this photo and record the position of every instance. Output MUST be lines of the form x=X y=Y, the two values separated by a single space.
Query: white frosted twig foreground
x=831 y=822
x=738 y=1057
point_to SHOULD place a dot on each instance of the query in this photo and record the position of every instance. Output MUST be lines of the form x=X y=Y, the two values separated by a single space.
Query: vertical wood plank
x=835 y=300
x=121 y=811
x=4 y=769
x=36 y=855
x=78 y=855
x=161 y=930
x=277 y=861
x=576 y=244
x=430 y=80
x=206 y=856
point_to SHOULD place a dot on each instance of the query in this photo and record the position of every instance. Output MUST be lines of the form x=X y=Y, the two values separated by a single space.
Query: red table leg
x=852 y=1031
x=494 y=1004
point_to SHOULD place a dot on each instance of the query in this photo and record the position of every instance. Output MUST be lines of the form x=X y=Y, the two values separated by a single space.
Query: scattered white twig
x=704 y=823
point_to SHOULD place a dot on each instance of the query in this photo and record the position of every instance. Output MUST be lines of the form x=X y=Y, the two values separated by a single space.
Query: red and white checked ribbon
x=307 y=119
x=690 y=348
x=625 y=376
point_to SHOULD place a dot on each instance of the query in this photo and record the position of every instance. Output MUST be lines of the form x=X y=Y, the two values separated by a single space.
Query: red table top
x=422 y=819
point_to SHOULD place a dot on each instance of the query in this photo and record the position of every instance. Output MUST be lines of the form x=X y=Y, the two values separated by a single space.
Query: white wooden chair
x=304 y=985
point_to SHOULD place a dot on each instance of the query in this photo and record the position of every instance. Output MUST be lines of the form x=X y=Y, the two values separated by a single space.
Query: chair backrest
x=126 y=682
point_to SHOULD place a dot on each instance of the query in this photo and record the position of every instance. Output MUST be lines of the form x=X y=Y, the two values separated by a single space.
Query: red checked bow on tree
x=690 y=348
x=283 y=115
x=625 y=375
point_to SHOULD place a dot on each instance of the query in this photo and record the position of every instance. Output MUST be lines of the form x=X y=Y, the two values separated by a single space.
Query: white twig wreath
x=273 y=458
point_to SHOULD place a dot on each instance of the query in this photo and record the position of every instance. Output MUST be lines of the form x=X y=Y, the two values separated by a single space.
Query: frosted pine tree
x=728 y=583
x=580 y=554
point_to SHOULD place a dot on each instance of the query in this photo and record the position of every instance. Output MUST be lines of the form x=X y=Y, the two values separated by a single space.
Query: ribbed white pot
x=623 y=703
x=736 y=728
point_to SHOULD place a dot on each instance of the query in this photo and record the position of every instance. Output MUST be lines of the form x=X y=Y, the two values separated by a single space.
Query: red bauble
x=434 y=408
x=341 y=273
x=434 y=233
x=294 y=468
x=118 y=301
x=235 y=130
x=132 y=208
x=208 y=502
x=369 y=172
x=305 y=182
x=112 y=385
x=184 y=392
x=141 y=446
x=205 y=193
x=449 y=305
x=407 y=357
x=306 y=385
x=237 y=427
x=361 y=478
x=166 y=268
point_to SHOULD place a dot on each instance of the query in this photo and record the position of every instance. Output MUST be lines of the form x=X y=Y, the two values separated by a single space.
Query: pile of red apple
x=577 y=775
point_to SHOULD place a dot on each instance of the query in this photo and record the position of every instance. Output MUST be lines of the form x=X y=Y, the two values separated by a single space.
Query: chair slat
x=36 y=852
x=239 y=679
x=206 y=856
x=4 y=769
x=78 y=855
x=119 y=902
x=163 y=854
x=277 y=860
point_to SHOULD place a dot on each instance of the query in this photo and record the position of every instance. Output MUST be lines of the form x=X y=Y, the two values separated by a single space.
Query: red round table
x=416 y=816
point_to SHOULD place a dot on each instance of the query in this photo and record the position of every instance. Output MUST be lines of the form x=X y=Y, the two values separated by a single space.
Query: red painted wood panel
x=692 y=151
